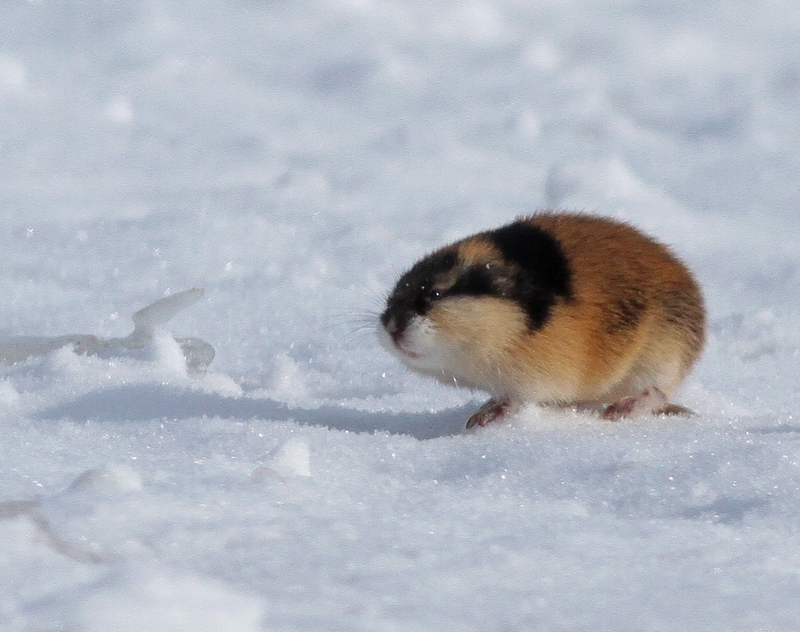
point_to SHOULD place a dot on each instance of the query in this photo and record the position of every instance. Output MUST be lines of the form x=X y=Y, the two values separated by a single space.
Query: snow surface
x=292 y=158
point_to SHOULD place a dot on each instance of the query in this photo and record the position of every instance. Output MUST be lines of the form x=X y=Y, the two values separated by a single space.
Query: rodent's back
x=636 y=307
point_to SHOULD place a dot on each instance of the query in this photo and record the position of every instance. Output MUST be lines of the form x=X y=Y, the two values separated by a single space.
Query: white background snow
x=292 y=157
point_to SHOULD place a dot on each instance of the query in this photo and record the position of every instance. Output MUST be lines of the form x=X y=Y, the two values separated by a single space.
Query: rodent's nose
x=390 y=325
x=394 y=326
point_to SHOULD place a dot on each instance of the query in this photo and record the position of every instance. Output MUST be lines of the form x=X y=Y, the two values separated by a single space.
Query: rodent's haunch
x=556 y=308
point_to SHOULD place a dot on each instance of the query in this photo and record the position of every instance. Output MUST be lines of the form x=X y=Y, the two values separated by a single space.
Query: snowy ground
x=292 y=158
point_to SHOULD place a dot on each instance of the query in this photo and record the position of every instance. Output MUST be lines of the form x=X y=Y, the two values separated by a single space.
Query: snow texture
x=292 y=158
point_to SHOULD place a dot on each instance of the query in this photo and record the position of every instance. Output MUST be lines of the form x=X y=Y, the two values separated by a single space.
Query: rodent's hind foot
x=674 y=409
x=489 y=412
x=652 y=401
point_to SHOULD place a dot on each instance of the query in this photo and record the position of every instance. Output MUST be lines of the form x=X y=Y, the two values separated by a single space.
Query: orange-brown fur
x=585 y=353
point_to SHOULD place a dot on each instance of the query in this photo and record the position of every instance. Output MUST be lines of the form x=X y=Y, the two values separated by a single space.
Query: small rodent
x=556 y=308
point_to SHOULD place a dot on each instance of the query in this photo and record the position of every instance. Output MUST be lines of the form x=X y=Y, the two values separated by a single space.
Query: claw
x=489 y=412
x=652 y=401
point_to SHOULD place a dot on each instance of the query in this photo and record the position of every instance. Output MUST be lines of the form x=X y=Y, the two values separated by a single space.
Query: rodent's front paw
x=490 y=411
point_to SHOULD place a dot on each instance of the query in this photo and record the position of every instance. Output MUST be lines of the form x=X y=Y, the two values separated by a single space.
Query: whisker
x=347 y=323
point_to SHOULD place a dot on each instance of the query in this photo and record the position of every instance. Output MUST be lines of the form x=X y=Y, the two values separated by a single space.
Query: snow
x=292 y=159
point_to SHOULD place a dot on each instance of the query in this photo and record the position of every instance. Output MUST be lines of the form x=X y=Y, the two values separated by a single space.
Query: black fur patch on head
x=543 y=271
x=476 y=281
x=413 y=292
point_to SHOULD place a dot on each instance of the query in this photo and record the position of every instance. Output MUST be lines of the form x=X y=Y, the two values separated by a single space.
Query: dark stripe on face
x=543 y=272
x=475 y=281
x=412 y=294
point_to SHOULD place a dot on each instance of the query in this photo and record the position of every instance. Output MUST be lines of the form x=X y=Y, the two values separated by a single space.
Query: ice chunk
x=149 y=333
x=162 y=311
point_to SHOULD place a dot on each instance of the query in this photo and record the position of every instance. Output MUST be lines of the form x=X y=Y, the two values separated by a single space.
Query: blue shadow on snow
x=151 y=401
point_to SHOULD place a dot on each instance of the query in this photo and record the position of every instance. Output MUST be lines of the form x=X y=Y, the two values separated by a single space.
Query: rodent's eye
x=424 y=299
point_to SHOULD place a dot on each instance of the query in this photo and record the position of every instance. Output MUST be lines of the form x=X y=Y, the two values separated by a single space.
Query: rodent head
x=459 y=312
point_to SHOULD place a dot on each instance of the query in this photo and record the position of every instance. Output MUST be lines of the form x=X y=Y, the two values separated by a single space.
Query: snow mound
x=293 y=458
x=147 y=596
x=110 y=478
